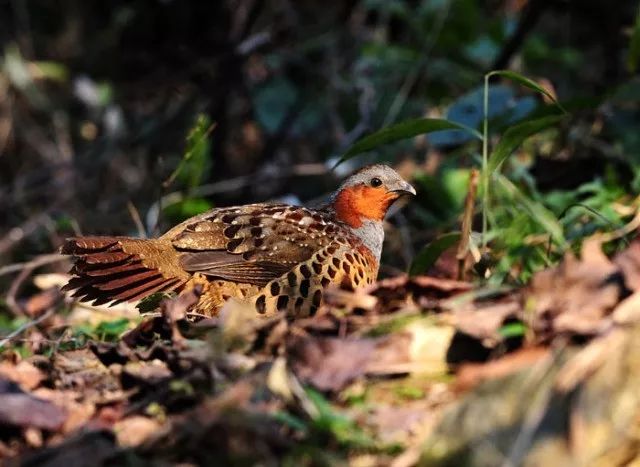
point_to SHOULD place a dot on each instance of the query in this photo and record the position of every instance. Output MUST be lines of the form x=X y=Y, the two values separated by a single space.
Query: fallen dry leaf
x=331 y=363
x=24 y=374
x=483 y=320
x=470 y=375
x=578 y=295
x=37 y=304
x=21 y=409
x=77 y=408
x=426 y=291
x=135 y=430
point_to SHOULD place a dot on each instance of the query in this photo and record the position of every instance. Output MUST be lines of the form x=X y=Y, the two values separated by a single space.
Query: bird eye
x=376 y=182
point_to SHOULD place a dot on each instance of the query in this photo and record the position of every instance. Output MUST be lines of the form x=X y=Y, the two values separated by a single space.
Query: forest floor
x=413 y=370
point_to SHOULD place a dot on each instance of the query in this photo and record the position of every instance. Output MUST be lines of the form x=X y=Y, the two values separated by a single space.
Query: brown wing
x=253 y=244
x=117 y=269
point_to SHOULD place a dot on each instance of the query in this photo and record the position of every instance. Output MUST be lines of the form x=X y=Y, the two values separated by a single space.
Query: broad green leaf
x=403 y=130
x=112 y=329
x=186 y=208
x=528 y=83
x=430 y=253
x=515 y=136
x=536 y=211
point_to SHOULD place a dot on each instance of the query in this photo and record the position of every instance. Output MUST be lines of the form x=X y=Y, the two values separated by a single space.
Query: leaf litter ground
x=414 y=370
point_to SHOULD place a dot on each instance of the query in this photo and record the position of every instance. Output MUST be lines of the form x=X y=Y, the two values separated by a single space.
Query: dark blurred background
x=98 y=99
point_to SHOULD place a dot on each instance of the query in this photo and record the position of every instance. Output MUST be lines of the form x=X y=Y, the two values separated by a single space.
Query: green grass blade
x=430 y=253
x=515 y=136
x=528 y=83
x=537 y=211
x=403 y=130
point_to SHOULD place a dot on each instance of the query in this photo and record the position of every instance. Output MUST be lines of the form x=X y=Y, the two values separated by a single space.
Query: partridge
x=276 y=257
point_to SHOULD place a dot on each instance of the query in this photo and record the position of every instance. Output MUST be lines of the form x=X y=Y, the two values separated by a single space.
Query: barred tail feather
x=114 y=269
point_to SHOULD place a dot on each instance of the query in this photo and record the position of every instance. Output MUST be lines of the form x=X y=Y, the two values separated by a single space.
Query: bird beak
x=405 y=189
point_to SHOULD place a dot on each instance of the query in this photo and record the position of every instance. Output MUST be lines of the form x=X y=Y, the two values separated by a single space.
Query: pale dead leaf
x=578 y=295
x=24 y=374
x=47 y=281
x=278 y=379
x=483 y=321
x=358 y=299
x=78 y=413
x=135 y=430
x=628 y=310
x=470 y=375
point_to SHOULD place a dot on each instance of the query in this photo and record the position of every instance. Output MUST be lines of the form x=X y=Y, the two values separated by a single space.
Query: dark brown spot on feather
x=346 y=268
x=317 y=217
x=228 y=218
x=346 y=283
x=261 y=304
x=317 y=267
x=360 y=273
x=299 y=303
x=283 y=301
x=304 y=288
x=232 y=230
x=305 y=271
x=254 y=220
x=291 y=278
x=247 y=255
x=336 y=262
x=332 y=249
x=256 y=231
x=233 y=244
x=295 y=216
x=317 y=226
x=275 y=288
x=258 y=242
x=331 y=272
x=325 y=282
x=317 y=297
x=349 y=257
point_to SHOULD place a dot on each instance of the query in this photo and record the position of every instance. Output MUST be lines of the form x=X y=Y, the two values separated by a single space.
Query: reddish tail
x=118 y=269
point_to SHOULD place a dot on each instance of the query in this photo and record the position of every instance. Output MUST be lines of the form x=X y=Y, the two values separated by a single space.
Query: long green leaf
x=537 y=211
x=515 y=136
x=430 y=253
x=526 y=82
x=403 y=130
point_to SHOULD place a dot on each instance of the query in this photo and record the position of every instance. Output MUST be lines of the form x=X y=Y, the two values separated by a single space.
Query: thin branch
x=25 y=271
x=135 y=216
x=26 y=326
x=36 y=262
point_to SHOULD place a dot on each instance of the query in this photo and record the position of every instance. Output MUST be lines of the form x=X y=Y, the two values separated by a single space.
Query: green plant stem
x=485 y=158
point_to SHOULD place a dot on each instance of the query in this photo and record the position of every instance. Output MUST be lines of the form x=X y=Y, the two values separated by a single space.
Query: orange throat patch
x=356 y=204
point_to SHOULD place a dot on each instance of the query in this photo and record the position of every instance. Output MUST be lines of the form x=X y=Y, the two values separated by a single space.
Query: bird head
x=367 y=194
